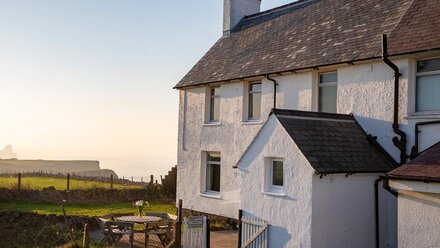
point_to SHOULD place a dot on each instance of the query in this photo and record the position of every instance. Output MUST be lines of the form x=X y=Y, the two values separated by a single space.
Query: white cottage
x=322 y=56
x=318 y=171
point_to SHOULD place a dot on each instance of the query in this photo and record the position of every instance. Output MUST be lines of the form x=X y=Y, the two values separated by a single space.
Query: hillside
x=84 y=167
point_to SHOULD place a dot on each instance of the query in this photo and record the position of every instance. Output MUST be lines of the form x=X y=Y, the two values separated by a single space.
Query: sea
x=138 y=169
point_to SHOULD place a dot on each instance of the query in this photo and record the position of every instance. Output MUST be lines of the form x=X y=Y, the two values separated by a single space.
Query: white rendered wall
x=365 y=90
x=231 y=137
x=289 y=215
x=343 y=212
x=419 y=219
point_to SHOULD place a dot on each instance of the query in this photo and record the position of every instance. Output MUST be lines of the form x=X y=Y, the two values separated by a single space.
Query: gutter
x=376 y=211
x=350 y=62
x=274 y=90
x=401 y=142
x=386 y=185
x=415 y=178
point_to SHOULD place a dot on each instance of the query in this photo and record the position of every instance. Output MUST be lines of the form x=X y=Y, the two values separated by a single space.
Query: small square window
x=274 y=176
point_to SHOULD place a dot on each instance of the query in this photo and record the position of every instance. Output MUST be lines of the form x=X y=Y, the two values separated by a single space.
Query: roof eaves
x=414 y=178
x=320 y=172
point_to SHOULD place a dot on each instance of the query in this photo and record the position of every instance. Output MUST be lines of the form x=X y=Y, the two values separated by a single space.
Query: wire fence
x=70 y=181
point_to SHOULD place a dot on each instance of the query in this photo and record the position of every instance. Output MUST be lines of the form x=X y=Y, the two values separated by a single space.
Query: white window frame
x=269 y=187
x=205 y=180
x=320 y=85
x=248 y=105
x=209 y=98
x=417 y=74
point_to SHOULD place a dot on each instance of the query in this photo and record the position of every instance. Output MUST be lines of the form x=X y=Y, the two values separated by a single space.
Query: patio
x=219 y=239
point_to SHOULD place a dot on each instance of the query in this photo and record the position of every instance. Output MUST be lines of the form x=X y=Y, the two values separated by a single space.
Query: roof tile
x=311 y=33
x=332 y=143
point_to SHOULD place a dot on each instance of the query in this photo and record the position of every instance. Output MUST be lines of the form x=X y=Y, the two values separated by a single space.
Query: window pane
x=215 y=91
x=214 y=114
x=213 y=177
x=213 y=157
x=328 y=78
x=255 y=87
x=277 y=173
x=254 y=105
x=327 y=99
x=428 y=93
x=428 y=65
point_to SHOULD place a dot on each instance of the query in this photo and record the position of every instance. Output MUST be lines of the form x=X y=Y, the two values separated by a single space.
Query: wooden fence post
x=86 y=238
x=151 y=179
x=111 y=181
x=68 y=181
x=240 y=215
x=179 y=225
x=208 y=233
x=19 y=181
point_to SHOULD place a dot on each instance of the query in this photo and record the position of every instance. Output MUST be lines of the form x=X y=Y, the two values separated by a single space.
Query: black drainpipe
x=399 y=143
x=415 y=148
x=274 y=90
x=376 y=209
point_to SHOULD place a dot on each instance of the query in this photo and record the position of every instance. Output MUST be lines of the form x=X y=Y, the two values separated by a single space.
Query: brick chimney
x=235 y=10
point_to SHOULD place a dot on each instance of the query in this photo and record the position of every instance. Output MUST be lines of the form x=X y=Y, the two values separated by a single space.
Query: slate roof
x=333 y=143
x=311 y=33
x=426 y=167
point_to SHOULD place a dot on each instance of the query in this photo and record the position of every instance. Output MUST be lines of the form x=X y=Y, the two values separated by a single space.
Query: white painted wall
x=365 y=90
x=419 y=219
x=289 y=215
x=231 y=137
x=343 y=212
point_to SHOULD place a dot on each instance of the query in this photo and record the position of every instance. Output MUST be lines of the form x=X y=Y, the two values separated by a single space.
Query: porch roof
x=333 y=143
x=426 y=167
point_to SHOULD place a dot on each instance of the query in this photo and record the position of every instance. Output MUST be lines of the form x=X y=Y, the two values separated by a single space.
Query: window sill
x=212 y=124
x=211 y=195
x=252 y=122
x=277 y=194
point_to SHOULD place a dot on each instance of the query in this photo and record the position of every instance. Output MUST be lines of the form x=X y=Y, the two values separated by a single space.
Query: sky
x=92 y=79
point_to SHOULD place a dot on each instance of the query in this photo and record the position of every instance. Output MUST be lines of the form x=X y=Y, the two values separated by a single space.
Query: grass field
x=86 y=209
x=59 y=183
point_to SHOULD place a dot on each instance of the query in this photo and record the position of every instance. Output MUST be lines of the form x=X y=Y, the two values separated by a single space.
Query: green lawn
x=58 y=183
x=85 y=209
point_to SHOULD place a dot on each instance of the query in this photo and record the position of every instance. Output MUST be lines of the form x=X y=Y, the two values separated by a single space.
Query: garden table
x=144 y=220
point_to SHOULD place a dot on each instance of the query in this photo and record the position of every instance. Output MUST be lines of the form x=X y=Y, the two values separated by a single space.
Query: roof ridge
x=279 y=8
